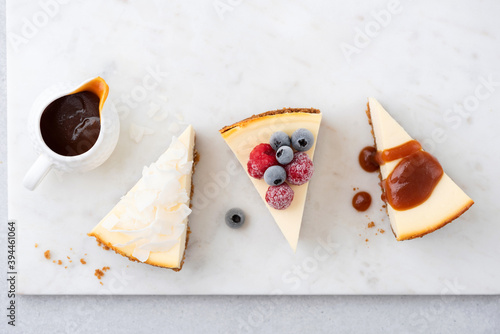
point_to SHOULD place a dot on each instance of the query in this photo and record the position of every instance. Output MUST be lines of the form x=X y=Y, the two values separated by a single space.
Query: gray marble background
x=234 y=314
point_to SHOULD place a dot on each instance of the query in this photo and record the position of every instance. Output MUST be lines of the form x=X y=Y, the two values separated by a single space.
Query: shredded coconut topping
x=154 y=213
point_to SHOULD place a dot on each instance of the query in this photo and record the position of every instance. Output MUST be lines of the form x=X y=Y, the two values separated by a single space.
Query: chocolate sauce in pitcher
x=71 y=124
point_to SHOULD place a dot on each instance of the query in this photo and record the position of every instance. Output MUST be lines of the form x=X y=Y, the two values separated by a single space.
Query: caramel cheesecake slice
x=150 y=223
x=420 y=196
x=250 y=139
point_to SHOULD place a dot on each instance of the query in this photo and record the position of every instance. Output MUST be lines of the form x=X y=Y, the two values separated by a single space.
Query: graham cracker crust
x=270 y=113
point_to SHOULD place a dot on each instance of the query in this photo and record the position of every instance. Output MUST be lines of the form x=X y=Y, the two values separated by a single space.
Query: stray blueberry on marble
x=275 y=175
x=235 y=218
x=279 y=139
x=284 y=155
x=302 y=140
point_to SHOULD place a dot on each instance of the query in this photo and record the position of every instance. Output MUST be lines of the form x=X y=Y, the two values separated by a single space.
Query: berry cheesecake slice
x=276 y=150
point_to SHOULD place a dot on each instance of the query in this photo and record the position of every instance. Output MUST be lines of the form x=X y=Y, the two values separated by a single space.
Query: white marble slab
x=216 y=67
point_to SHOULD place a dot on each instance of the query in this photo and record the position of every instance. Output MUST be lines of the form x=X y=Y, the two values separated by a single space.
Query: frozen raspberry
x=261 y=158
x=279 y=197
x=300 y=170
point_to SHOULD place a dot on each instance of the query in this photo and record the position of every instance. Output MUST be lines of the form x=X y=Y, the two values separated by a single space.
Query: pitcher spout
x=97 y=86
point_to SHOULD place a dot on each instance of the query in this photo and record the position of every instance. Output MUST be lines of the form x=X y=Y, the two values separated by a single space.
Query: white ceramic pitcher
x=95 y=156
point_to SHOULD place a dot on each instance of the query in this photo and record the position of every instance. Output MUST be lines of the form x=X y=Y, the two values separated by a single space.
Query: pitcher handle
x=37 y=172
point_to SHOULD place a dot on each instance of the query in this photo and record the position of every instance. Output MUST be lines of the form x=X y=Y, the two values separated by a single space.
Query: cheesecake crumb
x=83 y=261
x=66 y=267
x=101 y=283
x=59 y=262
x=381 y=231
x=371 y=224
x=98 y=273
x=71 y=249
x=54 y=261
x=366 y=240
x=68 y=257
x=36 y=245
x=105 y=247
x=47 y=254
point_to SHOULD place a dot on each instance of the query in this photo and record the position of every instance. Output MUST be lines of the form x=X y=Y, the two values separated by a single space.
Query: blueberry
x=279 y=139
x=302 y=140
x=235 y=218
x=284 y=155
x=275 y=175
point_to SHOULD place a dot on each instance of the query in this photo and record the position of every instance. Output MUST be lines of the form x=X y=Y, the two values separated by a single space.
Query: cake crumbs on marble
x=381 y=231
x=36 y=245
x=47 y=254
x=59 y=262
x=98 y=273
x=371 y=224
x=83 y=261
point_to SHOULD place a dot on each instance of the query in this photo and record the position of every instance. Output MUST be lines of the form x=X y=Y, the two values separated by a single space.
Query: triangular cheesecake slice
x=244 y=136
x=150 y=223
x=420 y=197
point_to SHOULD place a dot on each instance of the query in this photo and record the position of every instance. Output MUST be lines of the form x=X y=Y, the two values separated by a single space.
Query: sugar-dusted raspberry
x=279 y=197
x=300 y=170
x=261 y=158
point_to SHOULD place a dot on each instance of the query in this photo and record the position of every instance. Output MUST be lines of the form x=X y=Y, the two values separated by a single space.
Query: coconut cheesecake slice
x=150 y=223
